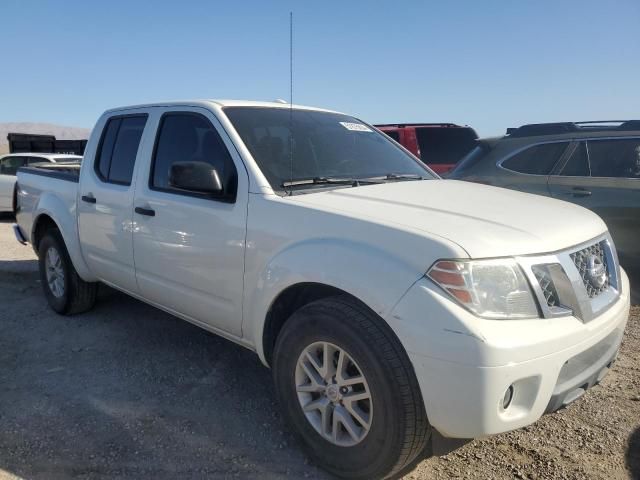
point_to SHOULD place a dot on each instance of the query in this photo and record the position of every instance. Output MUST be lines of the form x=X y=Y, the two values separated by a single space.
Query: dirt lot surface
x=129 y=391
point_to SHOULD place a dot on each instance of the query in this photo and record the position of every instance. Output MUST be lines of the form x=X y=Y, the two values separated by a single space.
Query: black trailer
x=28 y=142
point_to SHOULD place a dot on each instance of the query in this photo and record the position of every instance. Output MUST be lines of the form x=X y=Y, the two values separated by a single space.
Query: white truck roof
x=207 y=103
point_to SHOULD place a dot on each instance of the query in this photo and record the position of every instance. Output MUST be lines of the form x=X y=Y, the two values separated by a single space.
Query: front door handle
x=89 y=198
x=581 y=192
x=145 y=211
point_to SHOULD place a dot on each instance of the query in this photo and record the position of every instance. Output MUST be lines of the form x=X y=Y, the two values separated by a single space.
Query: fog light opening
x=508 y=396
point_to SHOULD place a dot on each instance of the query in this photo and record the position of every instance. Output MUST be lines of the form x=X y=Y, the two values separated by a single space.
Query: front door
x=189 y=247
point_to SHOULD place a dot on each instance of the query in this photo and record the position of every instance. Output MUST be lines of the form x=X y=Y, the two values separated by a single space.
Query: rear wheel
x=347 y=387
x=65 y=291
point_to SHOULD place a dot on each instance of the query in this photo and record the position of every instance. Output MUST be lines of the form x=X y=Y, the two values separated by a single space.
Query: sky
x=488 y=64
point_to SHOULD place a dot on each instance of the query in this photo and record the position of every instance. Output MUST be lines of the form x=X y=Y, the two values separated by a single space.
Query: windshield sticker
x=356 y=127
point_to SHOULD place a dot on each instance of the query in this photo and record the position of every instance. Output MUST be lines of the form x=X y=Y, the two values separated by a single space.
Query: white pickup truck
x=393 y=307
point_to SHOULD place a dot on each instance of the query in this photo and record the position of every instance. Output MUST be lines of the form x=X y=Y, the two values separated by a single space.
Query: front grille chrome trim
x=570 y=294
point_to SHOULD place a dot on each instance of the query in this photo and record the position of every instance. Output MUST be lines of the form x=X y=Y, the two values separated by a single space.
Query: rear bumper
x=548 y=363
x=17 y=231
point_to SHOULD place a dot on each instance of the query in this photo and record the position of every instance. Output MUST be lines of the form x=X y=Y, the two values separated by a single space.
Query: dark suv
x=593 y=164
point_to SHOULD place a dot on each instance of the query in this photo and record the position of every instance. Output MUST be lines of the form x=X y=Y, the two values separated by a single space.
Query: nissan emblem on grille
x=592 y=266
x=596 y=272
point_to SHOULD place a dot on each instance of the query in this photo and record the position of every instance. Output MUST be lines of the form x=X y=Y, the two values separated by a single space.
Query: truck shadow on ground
x=129 y=391
x=633 y=455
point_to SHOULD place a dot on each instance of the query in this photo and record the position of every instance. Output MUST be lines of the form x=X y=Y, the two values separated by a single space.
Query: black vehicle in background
x=33 y=143
x=593 y=164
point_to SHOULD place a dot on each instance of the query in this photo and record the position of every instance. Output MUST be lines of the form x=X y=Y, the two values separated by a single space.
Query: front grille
x=546 y=284
x=581 y=260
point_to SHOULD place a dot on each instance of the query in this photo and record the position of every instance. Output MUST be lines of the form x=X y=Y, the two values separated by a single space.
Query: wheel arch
x=43 y=222
x=293 y=298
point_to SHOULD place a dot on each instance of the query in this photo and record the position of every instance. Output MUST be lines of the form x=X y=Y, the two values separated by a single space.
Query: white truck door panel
x=189 y=255
x=105 y=203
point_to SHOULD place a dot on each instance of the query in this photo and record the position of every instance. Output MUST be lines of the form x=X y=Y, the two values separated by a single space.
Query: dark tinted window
x=393 y=134
x=536 y=160
x=306 y=144
x=186 y=137
x=615 y=158
x=117 y=154
x=444 y=145
x=103 y=156
x=10 y=165
x=470 y=160
x=578 y=163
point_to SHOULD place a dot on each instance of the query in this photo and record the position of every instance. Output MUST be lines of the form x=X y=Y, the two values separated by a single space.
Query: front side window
x=190 y=137
x=306 y=144
x=10 y=165
x=536 y=160
x=116 y=155
x=578 y=163
x=615 y=158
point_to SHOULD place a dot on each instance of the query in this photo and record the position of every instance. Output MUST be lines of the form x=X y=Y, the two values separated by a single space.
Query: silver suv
x=593 y=164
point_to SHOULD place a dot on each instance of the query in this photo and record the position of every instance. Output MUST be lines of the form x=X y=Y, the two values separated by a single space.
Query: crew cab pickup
x=393 y=307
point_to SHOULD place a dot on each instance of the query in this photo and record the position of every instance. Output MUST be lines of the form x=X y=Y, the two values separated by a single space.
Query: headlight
x=495 y=289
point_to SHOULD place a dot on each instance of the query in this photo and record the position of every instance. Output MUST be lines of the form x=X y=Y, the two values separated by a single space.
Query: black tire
x=78 y=296
x=399 y=429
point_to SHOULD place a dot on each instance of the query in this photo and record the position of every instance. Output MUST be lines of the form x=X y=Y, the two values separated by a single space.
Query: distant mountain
x=60 y=132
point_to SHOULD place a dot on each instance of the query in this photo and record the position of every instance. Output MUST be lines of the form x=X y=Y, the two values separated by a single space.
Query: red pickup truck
x=439 y=145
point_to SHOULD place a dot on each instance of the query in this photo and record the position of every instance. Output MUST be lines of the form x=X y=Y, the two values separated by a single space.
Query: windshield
x=324 y=145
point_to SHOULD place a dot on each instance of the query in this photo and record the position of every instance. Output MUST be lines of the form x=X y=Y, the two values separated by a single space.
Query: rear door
x=105 y=206
x=603 y=175
x=189 y=247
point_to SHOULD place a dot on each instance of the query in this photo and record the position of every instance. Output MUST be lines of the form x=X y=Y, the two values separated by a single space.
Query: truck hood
x=485 y=221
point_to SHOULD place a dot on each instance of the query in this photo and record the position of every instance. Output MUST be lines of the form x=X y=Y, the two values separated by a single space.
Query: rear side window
x=445 y=145
x=536 y=160
x=10 y=165
x=117 y=152
x=190 y=137
x=615 y=158
x=393 y=134
x=578 y=163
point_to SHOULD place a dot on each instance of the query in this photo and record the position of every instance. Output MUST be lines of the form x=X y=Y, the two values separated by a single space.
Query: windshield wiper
x=355 y=182
x=404 y=176
x=397 y=176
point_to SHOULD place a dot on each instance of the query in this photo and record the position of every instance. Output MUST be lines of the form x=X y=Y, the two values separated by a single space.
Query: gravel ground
x=129 y=391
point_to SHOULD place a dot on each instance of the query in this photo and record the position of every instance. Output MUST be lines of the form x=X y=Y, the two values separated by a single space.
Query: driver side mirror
x=199 y=177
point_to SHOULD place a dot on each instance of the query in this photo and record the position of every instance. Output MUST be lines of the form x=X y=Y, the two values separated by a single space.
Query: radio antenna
x=291 y=99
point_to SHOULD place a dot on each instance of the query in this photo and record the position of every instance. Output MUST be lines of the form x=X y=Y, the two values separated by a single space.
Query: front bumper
x=465 y=368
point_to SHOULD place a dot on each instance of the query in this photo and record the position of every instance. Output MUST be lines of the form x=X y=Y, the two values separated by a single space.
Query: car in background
x=438 y=145
x=9 y=165
x=593 y=164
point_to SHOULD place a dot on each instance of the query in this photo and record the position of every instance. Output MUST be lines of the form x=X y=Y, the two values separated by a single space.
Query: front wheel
x=65 y=291
x=348 y=389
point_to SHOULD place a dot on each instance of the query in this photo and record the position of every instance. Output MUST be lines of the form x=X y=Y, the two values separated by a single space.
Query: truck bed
x=46 y=185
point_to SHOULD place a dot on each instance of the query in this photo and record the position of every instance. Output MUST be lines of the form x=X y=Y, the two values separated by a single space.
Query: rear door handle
x=88 y=198
x=145 y=211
